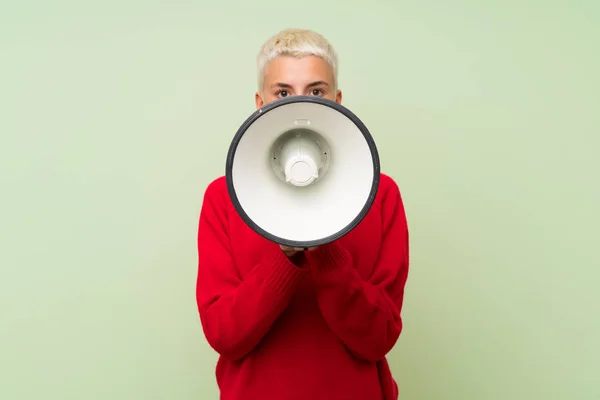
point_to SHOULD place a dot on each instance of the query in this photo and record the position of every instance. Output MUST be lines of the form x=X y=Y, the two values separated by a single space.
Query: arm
x=236 y=313
x=365 y=314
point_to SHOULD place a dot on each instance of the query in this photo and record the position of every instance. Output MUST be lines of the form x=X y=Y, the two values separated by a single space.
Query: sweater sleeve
x=365 y=314
x=237 y=312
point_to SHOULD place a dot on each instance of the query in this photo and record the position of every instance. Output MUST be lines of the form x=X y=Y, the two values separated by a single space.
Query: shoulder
x=216 y=194
x=389 y=198
x=216 y=187
x=388 y=187
x=386 y=181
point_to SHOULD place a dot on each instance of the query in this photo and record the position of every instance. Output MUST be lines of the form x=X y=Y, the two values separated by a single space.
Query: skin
x=290 y=76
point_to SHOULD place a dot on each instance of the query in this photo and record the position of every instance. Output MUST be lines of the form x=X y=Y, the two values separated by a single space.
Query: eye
x=282 y=93
x=317 y=92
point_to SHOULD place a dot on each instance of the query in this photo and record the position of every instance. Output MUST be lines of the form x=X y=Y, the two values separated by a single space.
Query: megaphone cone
x=302 y=171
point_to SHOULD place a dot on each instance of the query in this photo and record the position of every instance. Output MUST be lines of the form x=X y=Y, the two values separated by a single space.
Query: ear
x=338 y=97
x=258 y=100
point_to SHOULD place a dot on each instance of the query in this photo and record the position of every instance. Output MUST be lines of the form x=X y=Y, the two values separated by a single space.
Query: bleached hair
x=296 y=43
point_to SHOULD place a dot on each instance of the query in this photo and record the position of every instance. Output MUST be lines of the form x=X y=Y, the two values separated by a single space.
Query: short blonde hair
x=296 y=43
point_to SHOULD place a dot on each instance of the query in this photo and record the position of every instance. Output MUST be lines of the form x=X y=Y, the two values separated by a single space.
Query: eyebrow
x=286 y=86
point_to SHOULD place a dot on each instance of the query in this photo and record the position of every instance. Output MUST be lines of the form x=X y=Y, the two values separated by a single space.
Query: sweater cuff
x=329 y=257
x=279 y=273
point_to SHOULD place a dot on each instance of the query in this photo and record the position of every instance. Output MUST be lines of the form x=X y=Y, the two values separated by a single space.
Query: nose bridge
x=299 y=86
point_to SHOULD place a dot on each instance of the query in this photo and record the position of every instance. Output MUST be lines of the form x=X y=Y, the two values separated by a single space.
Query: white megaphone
x=302 y=171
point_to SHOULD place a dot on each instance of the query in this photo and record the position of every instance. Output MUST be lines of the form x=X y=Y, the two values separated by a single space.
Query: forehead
x=298 y=71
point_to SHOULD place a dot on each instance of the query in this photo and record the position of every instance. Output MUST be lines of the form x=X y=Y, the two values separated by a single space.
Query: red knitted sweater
x=317 y=327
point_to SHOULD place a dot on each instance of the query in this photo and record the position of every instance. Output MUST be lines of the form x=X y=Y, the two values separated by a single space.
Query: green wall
x=115 y=115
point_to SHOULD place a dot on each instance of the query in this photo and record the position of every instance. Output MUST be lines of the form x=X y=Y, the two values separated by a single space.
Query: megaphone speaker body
x=302 y=171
